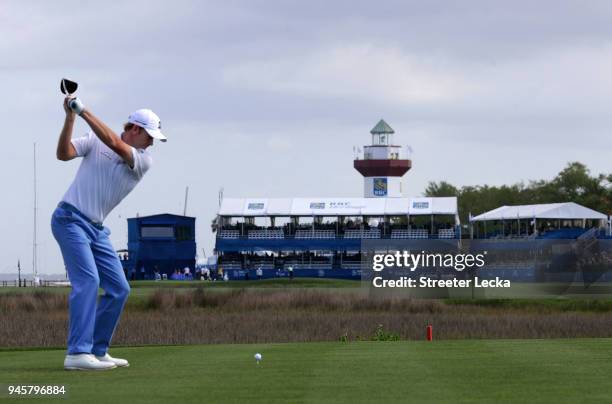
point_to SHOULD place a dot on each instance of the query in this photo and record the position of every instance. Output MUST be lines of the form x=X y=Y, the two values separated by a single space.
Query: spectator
x=259 y=273
x=176 y=275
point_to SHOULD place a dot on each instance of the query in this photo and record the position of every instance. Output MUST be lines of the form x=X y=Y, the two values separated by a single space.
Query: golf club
x=68 y=87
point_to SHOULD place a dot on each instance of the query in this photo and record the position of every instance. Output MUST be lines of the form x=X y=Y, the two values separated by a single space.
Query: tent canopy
x=239 y=207
x=566 y=210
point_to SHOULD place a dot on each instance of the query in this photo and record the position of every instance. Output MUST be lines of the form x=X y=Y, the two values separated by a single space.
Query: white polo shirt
x=103 y=178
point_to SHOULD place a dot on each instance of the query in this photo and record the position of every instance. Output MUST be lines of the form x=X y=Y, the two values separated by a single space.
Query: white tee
x=103 y=178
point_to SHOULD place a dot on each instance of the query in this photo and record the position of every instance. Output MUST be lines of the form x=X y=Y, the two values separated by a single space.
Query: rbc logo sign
x=380 y=186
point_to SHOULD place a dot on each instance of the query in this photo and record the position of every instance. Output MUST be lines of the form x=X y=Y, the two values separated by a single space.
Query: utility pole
x=19 y=272
x=34 y=246
x=185 y=205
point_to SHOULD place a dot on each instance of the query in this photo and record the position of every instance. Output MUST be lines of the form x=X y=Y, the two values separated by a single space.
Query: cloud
x=364 y=71
x=558 y=90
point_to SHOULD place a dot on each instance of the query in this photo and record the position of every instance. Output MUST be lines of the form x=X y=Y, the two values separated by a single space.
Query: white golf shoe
x=121 y=363
x=86 y=362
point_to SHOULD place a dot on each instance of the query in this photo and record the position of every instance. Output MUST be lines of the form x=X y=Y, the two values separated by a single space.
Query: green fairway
x=573 y=370
x=144 y=288
x=264 y=283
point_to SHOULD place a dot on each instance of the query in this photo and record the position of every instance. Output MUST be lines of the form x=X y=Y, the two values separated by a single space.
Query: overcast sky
x=268 y=98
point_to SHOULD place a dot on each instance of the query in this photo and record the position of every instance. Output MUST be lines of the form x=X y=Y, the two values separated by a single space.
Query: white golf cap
x=149 y=121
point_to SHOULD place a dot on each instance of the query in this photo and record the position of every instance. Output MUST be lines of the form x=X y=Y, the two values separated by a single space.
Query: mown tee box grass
x=477 y=371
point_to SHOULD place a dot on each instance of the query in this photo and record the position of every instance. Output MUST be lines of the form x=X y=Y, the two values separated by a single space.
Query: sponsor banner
x=380 y=186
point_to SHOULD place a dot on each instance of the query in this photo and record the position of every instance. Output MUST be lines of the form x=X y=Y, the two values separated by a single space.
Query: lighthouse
x=382 y=165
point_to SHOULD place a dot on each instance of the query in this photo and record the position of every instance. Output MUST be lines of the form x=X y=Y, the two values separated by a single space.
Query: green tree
x=573 y=184
x=442 y=188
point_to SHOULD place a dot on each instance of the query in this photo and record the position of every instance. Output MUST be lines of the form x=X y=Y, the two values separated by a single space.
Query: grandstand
x=322 y=236
x=553 y=242
x=566 y=220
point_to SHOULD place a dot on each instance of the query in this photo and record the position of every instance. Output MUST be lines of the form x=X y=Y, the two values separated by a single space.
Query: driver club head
x=68 y=86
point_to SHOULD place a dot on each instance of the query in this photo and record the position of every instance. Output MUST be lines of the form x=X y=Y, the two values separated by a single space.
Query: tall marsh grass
x=168 y=316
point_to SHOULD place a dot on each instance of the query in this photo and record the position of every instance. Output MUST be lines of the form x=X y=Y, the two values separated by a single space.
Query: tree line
x=573 y=184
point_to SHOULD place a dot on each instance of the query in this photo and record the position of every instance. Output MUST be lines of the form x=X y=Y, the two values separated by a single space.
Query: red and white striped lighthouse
x=382 y=165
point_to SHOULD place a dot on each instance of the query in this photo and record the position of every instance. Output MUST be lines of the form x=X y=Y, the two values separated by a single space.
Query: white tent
x=566 y=210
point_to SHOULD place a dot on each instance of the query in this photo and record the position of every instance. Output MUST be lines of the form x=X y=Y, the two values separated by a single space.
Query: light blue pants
x=91 y=263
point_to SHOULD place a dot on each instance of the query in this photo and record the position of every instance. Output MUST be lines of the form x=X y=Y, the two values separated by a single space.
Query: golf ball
x=257 y=357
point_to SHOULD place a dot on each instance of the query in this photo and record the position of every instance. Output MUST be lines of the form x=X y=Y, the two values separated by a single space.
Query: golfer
x=111 y=167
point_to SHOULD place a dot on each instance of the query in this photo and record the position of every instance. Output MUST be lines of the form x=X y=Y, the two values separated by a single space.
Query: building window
x=157 y=232
x=184 y=233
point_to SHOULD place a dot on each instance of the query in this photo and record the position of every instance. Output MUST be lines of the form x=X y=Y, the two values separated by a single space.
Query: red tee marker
x=429 y=333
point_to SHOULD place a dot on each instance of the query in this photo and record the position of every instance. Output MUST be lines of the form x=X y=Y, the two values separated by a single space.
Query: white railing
x=410 y=233
x=266 y=234
x=228 y=234
x=446 y=233
x=302 y=234
x=368 y=234
x=230 y=265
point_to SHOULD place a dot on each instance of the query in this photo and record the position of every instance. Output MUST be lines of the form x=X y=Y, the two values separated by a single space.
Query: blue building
x=164 y=242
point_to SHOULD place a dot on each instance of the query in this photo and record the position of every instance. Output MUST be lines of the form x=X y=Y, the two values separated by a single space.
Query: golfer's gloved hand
x=76 y=105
